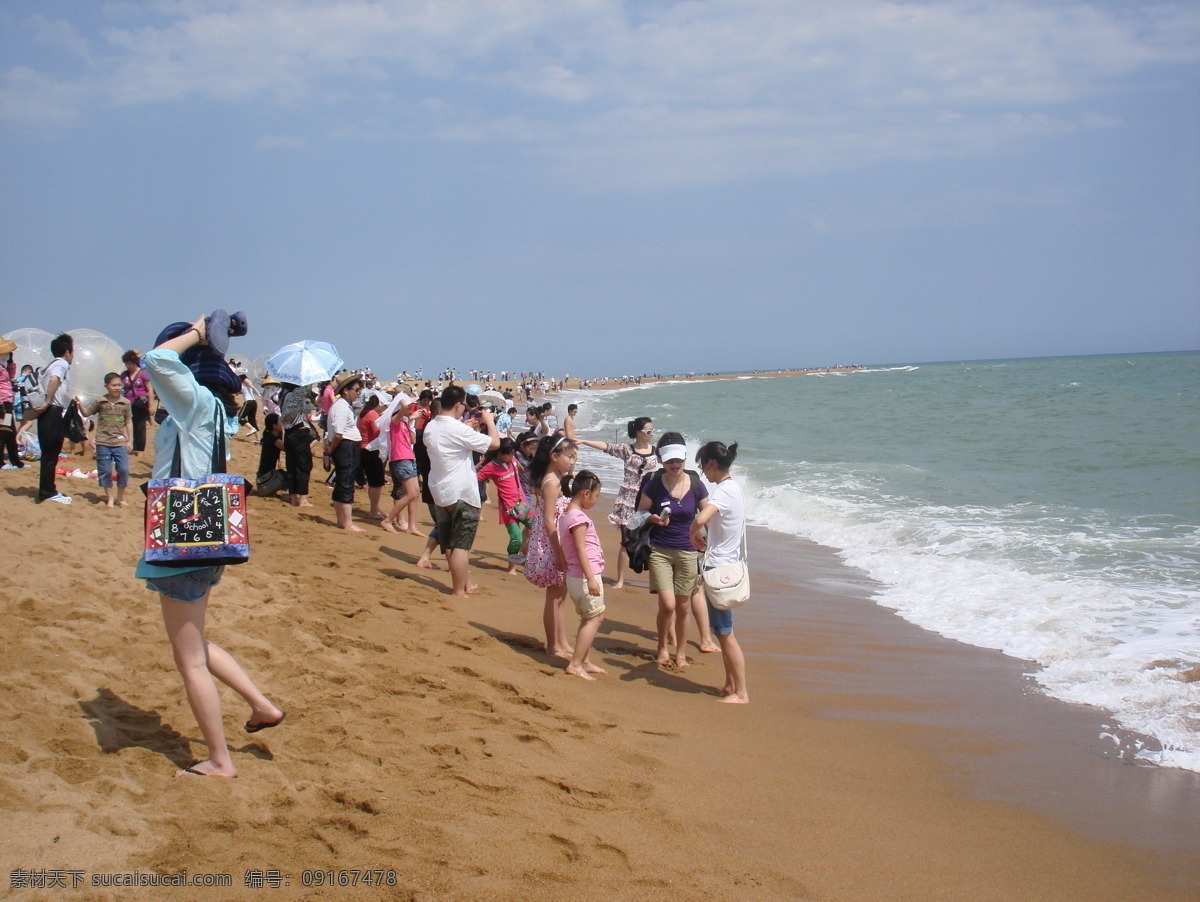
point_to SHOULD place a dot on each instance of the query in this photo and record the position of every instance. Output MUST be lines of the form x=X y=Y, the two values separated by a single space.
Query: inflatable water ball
x=37 y=340
x=96 y=355
x=33 y=347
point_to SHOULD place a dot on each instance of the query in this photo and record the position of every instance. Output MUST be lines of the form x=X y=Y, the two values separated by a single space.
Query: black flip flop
x=255 y=727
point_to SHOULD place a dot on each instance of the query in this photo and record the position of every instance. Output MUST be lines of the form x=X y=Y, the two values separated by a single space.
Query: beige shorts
x=586 y=606
x=673 y=569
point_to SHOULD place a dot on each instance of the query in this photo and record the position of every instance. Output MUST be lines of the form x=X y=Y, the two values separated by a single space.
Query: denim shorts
x=109 y=458
x=721 y=622
x=403 y=469
x=190 y=586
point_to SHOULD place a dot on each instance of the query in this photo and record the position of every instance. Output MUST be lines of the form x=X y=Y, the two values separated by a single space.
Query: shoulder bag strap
x=219 y=459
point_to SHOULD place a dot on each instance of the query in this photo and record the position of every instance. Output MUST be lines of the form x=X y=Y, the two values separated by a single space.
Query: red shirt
x=368 y=427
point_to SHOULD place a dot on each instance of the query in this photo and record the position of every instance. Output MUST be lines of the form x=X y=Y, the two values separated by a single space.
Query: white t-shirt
x=451 y=467
x=343 y=422
x=60 y=368
x=726 y=527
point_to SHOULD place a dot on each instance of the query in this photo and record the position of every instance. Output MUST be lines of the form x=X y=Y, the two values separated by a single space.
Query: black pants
x=9 y=437
x=297 y=446
x=249 y=414
x=51 y=432
x=345 y=462
x=141 y=416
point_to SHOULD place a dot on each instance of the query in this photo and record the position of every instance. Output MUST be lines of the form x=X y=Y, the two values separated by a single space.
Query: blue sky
x=601 y=187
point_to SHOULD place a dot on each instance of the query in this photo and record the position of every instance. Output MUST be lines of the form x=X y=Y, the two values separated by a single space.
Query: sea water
x=1047 y=508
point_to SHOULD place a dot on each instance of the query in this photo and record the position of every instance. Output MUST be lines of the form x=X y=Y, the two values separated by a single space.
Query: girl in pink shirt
x=514 y=506
x=585 y=563
x=402 y=467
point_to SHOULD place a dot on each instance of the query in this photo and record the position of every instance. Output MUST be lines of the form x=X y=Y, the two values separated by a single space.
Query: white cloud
x=58 y=33
x=267 y=142
x=682 y=91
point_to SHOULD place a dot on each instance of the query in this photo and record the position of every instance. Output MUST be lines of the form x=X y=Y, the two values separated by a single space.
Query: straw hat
x=6 y=346
x=346 y=379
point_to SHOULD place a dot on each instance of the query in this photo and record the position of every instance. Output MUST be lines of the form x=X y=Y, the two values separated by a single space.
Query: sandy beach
x=431 y=745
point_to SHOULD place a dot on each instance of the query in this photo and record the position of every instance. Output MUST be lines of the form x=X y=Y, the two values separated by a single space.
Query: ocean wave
x=1112 y=629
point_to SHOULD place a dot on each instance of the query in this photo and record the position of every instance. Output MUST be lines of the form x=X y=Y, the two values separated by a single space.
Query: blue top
x=193 y=423
x=676 y=534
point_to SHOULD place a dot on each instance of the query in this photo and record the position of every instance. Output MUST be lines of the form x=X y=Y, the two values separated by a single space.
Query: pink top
x=7 y=375
x=595 y=553
x=401 y=436
x=327 y=397
x=508 y=485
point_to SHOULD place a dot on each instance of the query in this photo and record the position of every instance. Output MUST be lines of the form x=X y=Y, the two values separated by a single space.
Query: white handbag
x=727 y=585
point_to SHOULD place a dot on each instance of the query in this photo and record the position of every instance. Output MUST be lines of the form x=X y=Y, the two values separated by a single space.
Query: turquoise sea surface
x=1048 y=508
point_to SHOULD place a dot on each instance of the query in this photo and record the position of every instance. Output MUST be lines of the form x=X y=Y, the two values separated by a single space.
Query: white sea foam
x=1101 y=635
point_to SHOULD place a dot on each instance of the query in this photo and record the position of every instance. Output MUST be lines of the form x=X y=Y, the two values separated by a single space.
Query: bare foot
x=426 y=564
x=592 y=668
x=735 y=700
x=206 y=768
x=305 y=504
x=387 y=524
x=710 y=649
x=681 y=662
x=402 y=527
x=618 y=585
x=377 y=515
x=663 y=658
x=353 y=528
x=568 y=653
x=414 y=532
x=581 y=672
x=122 y=504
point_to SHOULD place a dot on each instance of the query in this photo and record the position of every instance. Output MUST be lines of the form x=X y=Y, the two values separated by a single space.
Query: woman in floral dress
x=640 y=462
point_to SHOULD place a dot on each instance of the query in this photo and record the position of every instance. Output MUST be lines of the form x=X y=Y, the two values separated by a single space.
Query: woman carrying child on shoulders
x=198 y=389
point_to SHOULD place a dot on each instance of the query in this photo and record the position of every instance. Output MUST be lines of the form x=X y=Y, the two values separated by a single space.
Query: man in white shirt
x=452 y=482
x=51 y=428
x=342 y=439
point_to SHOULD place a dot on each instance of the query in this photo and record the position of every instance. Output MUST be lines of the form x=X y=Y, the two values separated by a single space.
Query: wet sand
x=430 y=736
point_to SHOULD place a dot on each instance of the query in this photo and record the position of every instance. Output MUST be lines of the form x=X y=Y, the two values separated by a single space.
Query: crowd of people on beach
x=439 y=444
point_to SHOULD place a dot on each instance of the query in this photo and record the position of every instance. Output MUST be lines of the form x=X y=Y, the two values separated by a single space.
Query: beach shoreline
x=430 y=735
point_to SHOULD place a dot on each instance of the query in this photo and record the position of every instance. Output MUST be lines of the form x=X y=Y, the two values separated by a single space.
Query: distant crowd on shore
x=438 y=444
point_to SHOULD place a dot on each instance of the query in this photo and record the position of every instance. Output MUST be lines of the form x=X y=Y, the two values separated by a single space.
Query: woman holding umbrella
x=298 y=436
x=298 y=366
